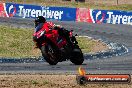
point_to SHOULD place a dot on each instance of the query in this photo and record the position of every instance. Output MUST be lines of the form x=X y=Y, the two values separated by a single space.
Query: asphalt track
x=120 y=34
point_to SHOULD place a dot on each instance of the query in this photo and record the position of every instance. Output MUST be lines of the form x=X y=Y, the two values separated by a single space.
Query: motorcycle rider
x=40 y=23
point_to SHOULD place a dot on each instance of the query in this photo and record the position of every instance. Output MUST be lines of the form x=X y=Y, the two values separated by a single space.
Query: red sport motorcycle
x=55 y=48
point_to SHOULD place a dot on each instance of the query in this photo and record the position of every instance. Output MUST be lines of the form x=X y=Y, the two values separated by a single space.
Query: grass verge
x=18 y=43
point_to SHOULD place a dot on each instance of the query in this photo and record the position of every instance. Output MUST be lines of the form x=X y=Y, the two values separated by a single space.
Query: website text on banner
x=32 y=11
x=103 y=16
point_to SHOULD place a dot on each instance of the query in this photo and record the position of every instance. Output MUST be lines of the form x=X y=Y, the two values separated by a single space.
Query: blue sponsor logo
x=99 y=17
x=32 y=11
x=12 y=10
x=111 y=16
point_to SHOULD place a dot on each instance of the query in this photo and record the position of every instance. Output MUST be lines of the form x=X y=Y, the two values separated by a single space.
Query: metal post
x=117 y=2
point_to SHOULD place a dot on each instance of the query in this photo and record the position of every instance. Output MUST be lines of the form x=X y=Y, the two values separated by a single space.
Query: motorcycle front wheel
x=77 y=56
x=49 y=54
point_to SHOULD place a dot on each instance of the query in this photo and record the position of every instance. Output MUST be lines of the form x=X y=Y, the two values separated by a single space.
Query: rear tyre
x=77 y=56
x=49 y=54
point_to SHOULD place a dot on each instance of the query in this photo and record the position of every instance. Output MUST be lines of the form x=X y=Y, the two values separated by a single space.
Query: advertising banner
x=66 y=14
x=104 y=16
x=32 y=11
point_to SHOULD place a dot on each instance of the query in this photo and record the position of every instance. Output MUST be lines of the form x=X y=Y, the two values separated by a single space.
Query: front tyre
x=77 y=56
x=49 y=54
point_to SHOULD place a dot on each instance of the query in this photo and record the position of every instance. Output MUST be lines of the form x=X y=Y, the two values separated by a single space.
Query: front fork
x=38 y=44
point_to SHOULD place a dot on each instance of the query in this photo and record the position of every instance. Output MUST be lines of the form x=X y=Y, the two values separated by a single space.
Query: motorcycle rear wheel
x=48 y=52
